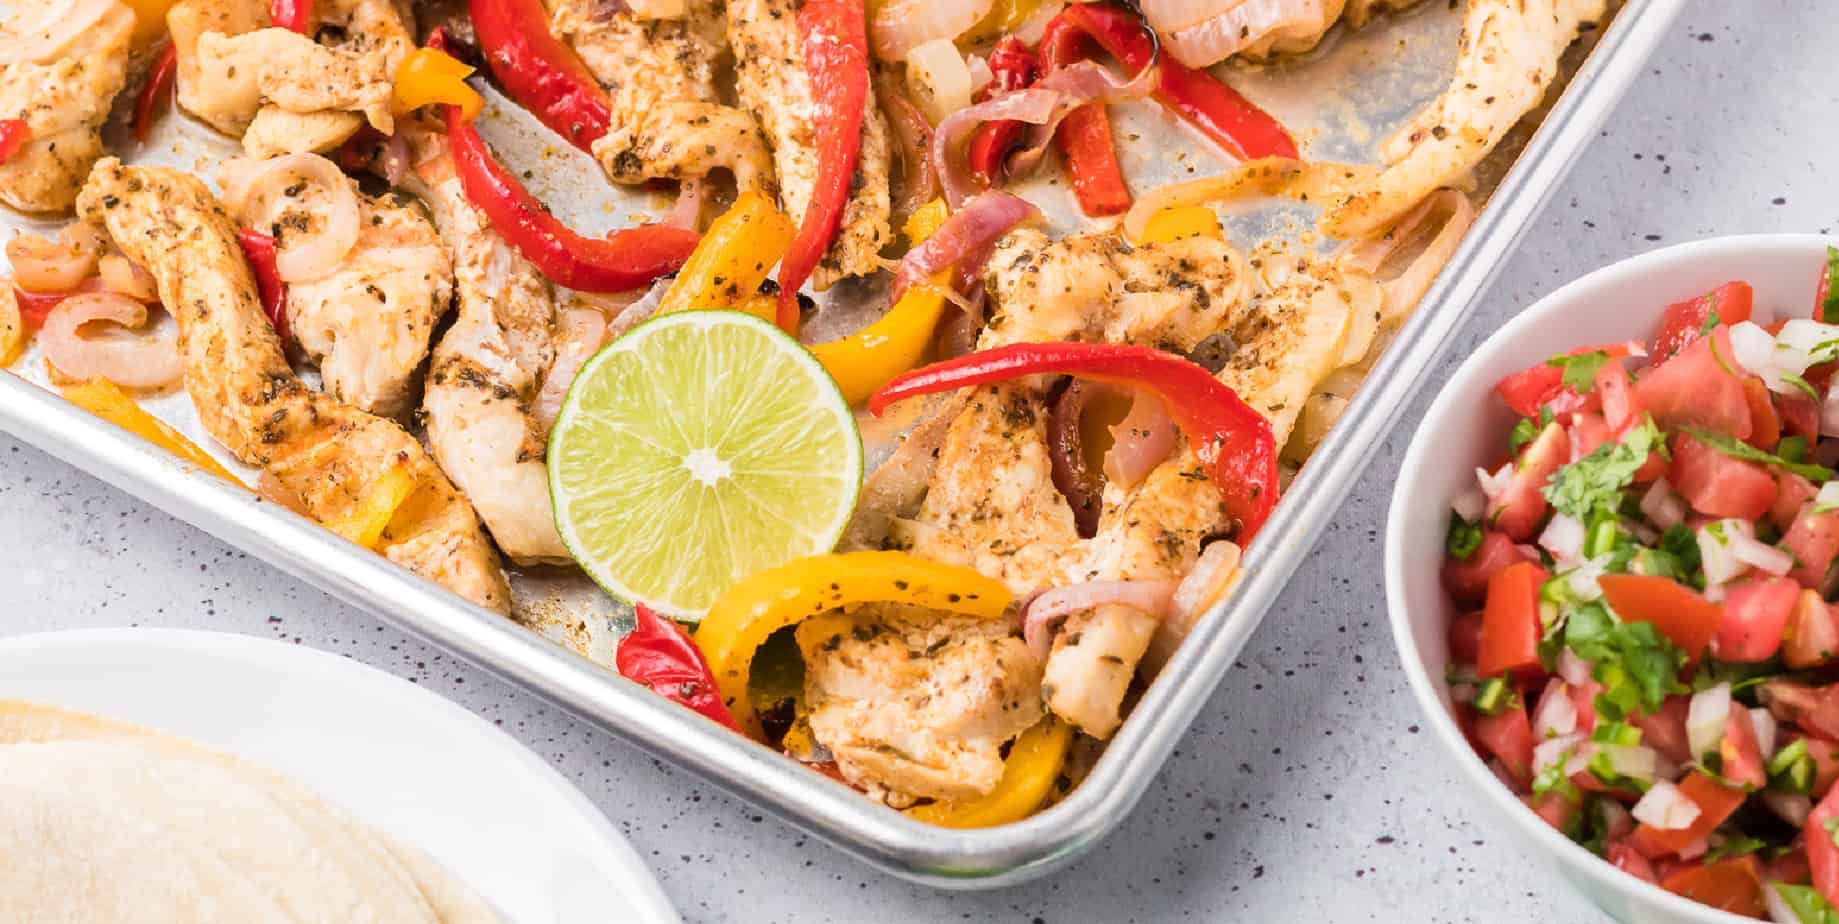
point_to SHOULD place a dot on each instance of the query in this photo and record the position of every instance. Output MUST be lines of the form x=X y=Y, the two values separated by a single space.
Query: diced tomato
x=1825 y=756
x=1822 y=853
x=1665 y=730
x=1813 y=540
x=1467 y=579
x=1677 y=611
x=1630 y=861
x=1741 y=754
x=1555 y=809
x=1792 y=492
x=1812 y=636
x=1814 y=709
x=1718 y=485
x=1733 y=885
x=1715 y=801
x=1510 y=624
x=1465 y=638
x=1683 y=320
x=1755 y=613
x=1765 y=423
x=1800 y=414
x=1508 y=736
x=1519 y=508
x=1588 y=431
x=1542 y=385
x=1790 y=867
x=1613 y=389
x=1697 y=388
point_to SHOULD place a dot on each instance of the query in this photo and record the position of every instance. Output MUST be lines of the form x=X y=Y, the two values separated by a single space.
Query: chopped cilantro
x=1806 y=902
x=1523 y=433
x=1595 y=482
x=1580 y=369
x=1546 y=416
x=1738 y=449
x=1554 y=779
x=1495 y=697
x=1792 y=769
x=1464 y=537
x=1636 y=665
x=1736 y=845
x=1711 y=318
x=1829 y=306
x=1792 y=448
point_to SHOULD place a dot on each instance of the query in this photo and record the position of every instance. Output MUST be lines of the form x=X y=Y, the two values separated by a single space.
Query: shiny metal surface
x=952 y=859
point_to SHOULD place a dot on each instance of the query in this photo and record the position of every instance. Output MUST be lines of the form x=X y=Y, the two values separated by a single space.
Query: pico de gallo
x=1647 y=653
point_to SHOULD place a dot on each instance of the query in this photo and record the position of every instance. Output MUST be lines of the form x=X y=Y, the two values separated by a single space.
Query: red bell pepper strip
x=1084 y=136
x=1234 y=441
x=1014 y=68
x=159 y=83
x=34 y=307
x=259 y=250
x=835 y=38
x=544 y=75
x=659 y=655
x=1232 y=121
x=14 y=133
x=292 y=15
x=625 y=260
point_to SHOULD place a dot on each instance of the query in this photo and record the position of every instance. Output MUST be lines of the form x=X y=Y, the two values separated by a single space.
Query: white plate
x=395 y=755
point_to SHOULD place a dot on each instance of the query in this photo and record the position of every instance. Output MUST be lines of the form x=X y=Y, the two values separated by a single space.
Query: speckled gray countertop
x=1306 y=794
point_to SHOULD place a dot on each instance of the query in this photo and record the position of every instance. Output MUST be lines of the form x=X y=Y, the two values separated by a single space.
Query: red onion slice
x=1139 y=442
x=1082 y=487
x=580 y=333
x=965 y=239
x=131 y=361
x=1048 y=609
x=919 y=182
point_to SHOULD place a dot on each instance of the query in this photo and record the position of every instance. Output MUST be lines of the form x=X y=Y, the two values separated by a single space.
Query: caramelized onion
x=919 y=184
x=580 y=333
x=1404 y=284
x=1047 y=610
x=263 y=193
x=121 y=275
x=1204 y=586
x=1082 y=487
x=903 y=25
x=42 y=265
x=138 y=360
x=1202 y=33
x=1139 y=442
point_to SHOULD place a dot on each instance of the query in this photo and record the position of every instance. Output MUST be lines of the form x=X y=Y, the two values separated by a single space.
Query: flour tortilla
x=231 y=826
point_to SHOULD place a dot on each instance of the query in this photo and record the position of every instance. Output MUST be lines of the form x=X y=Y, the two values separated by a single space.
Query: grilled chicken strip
x=488 y=367
x=915 y=703
x=63 y=97
x=1509 y=56
x=770 y=77
x=324 y=454
x=668 y=122
x=283 y=92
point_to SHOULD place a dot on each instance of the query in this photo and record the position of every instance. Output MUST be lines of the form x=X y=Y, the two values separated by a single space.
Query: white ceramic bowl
x=1466 y=426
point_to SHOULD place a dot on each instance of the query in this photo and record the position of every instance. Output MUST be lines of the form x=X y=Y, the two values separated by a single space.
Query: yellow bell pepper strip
x=864 y=361
x=1003 y=18
x=106 y=400
x=1028 y=776
x=12 y=326
x=365 y=522
x=733 y=257
x=1173 y=224
x=149 y=20
x=767 y=601
x=428 y=76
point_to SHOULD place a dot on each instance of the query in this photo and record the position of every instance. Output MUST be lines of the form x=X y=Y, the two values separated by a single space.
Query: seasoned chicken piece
x=1508 y=57
x=325 y=454
x=1291 y=340
x=234 y=65
x=771 y=80
x=488 y=367
x=992 y=504
x=63 y=97
x=915 y=703
x=1099 y=287
x=367 y=324
x=668 y=122
x=1152 y=533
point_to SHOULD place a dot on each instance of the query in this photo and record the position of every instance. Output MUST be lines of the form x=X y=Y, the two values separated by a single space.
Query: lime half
x=697 y=449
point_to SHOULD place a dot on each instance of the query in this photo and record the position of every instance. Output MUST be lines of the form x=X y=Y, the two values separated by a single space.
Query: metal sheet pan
x=574 y=620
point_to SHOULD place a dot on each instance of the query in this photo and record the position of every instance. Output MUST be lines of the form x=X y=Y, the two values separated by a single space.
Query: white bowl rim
x=1424 y=688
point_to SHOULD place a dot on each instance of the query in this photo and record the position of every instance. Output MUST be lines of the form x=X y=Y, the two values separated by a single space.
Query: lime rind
x=718 y=441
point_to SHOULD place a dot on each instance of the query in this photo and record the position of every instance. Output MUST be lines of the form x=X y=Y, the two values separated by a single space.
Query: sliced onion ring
x=1046 y=610
x=1265 y=177
x=300 y=256
x=1139 y=442
x=143 y=361
x=57 y=25
x=903 y=25
x=967 y=234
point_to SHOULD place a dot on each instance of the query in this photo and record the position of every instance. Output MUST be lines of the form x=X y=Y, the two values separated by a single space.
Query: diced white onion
x=1828 y=495
x=1714 y=593
x=1493 y=484
x=1632 y=760
x=1706 y=717
x=1752 y=551
x=1582 y=579
x=938 y=79
x=1471 y=504
x=1666 y=808
x=1764 y=723
x=1574 y=670
x=1715 y=552
x=1754 y=349
x=1662 y=507
x=1563 y=537
x=1556 y=716
x=1791 y=807
x=1549 y=752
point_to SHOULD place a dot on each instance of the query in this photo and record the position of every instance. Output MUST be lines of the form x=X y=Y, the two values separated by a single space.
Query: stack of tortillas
x=106 y=821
